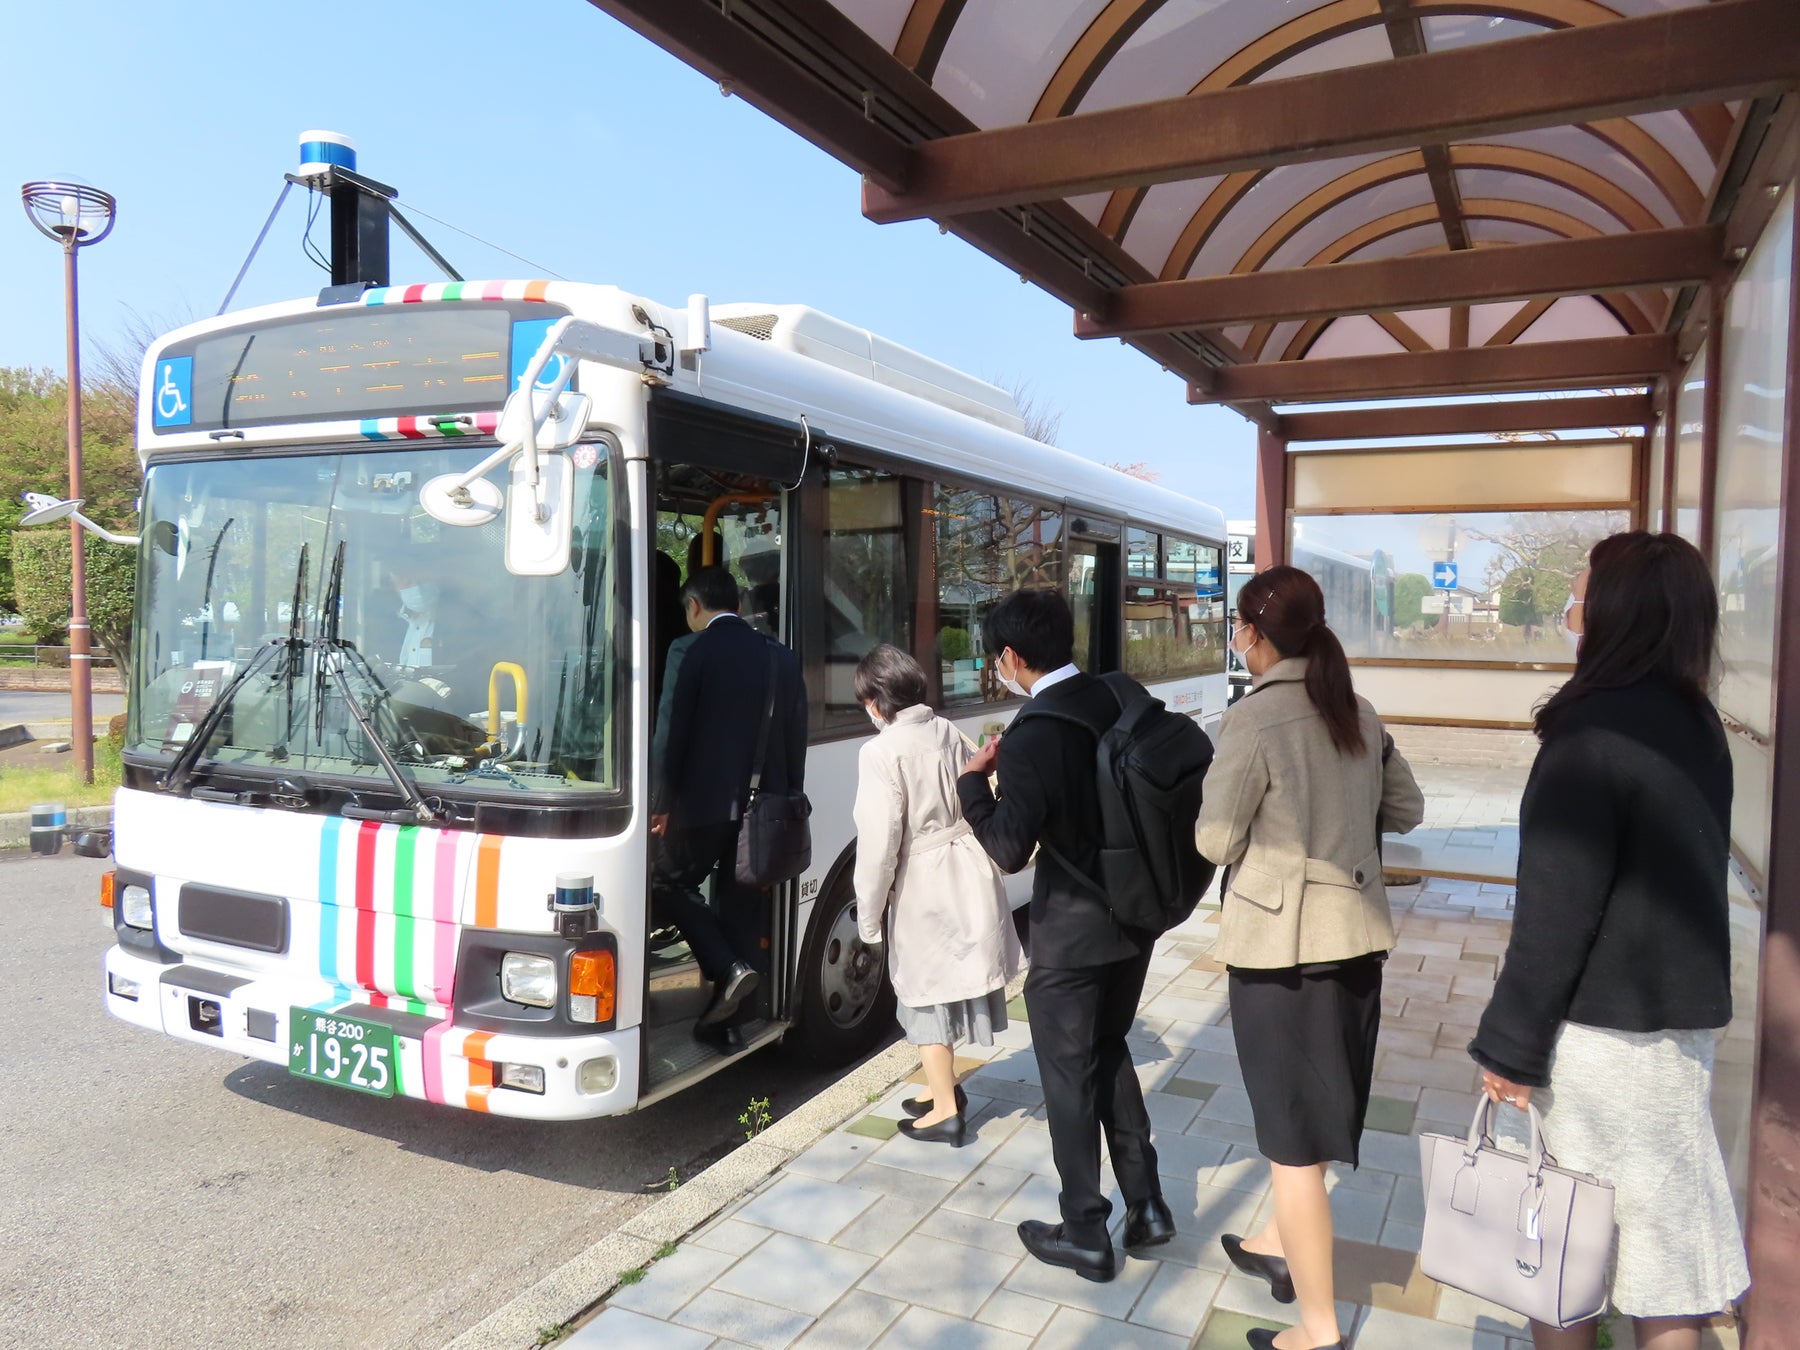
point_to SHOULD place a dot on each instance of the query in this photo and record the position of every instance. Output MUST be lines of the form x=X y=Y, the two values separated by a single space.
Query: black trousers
x=719 y=938
x=1079 y=1019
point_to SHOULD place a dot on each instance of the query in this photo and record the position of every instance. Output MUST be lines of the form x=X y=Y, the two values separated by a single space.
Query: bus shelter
x=1555 y=237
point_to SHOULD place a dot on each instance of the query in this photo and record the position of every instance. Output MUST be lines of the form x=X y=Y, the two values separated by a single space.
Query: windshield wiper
x=174 y=778
x=335 y=658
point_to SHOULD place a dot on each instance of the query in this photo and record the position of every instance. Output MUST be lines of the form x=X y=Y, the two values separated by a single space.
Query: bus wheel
x=846 y=1002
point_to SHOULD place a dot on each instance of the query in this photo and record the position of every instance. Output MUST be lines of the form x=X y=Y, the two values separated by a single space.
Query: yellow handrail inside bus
x=710 y=521
x=517 y=672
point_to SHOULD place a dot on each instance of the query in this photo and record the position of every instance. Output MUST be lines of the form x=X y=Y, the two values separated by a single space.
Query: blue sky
x=543 y=126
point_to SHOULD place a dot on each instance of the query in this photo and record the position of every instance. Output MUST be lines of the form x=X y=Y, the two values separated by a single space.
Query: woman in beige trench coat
x=951 y=944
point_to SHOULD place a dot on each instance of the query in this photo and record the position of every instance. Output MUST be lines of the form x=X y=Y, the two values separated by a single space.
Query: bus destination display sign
x=353 y=362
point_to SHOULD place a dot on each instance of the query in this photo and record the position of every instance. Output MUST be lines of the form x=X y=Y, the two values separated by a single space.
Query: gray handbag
x=1515 y=1230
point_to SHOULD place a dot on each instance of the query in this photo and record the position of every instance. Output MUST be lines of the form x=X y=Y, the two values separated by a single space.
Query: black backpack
x=1149 y=764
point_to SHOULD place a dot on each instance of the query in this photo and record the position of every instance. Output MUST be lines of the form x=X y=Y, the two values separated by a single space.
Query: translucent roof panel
x=1678 y=136
x=1265 y=203
x=1431 y=324
x=1183 y=42
x=1276 y=347
x=1574 y=316
x=1519 y=187
x=880 y=19
x=1162 y=216
x=1001 y=55
x=1356 y=335
x=1363 y=47
x=1091 y=205
x=1417 y=239
x=1487 y=320
x=1448 y=31
x=1584 y=148
x=1509 y=232
x=1338 y=221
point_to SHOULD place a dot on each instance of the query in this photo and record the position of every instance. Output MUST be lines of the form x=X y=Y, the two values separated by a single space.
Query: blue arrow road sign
x=1443 y=576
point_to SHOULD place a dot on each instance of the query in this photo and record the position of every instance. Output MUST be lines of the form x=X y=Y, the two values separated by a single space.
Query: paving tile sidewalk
x=871 y=1239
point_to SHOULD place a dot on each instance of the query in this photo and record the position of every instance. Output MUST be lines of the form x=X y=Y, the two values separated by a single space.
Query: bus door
x=1094 y=592
x=724 y=493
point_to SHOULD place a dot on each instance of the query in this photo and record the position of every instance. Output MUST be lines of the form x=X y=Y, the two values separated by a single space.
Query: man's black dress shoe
x=1270 y=1268
x=916 y=1108
x=738 y=984
x=1047 y=1242
x=952 y=1130
x=726 y=1040
x=1148 y=1225
x=1262 y=1339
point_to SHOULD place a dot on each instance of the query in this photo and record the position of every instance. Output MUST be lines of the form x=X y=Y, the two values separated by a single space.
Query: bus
x=400 y=616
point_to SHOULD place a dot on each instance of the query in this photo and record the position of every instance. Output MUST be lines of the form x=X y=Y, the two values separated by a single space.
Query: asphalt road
x=23 y=705
x=155 y=1193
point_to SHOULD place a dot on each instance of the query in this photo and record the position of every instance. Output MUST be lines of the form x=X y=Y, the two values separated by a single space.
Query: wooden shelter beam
x=1469 y=419
x=1535 y=365
x=1731 y=49
x=1422 y=281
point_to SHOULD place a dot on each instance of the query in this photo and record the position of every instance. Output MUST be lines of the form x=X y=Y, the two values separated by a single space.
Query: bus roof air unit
x=806 y=332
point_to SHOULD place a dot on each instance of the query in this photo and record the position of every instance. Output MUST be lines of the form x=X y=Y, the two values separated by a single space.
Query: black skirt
x=1306 y=1045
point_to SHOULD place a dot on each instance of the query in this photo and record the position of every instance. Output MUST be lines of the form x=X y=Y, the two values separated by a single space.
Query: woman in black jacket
x=1618 y=973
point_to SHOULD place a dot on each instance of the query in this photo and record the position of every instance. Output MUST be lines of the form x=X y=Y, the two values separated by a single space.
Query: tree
x=1139 y=469
x=1043 y=419
x=1536 y=559
x=1410 y=590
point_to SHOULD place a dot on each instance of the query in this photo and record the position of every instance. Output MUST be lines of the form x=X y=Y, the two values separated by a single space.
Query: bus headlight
x=135 y=910
x=528 y=979
x=524 y=1077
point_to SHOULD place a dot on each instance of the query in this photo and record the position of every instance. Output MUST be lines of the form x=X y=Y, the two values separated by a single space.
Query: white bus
x=384 y=820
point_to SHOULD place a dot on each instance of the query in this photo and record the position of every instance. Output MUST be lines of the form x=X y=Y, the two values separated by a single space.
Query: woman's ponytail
x=1288 y=611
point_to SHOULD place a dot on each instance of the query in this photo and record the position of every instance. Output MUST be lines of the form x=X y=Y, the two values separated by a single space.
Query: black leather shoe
x=953 y=1130
x=739 y=983
x=1261 y=1339
x=916 y=1108
x=1148 y=1225
x=1270 y=1268
x=1047 y=1242
x=726 y=1040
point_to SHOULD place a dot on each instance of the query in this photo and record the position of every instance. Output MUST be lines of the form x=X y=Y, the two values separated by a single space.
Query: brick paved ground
x=869 y=1239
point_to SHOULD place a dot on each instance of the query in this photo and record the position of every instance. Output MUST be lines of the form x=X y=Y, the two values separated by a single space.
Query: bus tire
x=846 y=1002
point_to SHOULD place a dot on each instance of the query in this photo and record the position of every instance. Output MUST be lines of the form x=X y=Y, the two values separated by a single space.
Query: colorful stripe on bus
x=425 y=428
x=456 y=290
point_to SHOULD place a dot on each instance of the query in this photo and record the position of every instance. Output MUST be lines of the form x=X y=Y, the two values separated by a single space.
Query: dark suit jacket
x=712 y=707
x=1048 y=791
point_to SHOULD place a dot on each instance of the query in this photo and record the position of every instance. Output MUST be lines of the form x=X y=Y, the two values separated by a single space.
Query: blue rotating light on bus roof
x=323 y=150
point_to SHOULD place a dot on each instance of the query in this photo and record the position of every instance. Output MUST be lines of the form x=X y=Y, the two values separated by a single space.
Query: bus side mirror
x=540 y=524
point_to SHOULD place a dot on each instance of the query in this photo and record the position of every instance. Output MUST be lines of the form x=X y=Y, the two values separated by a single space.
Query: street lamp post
x=75 y=215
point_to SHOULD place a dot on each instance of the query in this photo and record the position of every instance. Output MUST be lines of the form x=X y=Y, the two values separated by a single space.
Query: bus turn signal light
x=107 y=881
x=593 y=980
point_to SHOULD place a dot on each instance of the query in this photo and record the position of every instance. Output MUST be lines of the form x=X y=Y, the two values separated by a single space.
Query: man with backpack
x=1087 y=961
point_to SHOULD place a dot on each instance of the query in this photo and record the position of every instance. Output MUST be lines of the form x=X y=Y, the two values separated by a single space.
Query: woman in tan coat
x=1304 y=783
x=951 y=948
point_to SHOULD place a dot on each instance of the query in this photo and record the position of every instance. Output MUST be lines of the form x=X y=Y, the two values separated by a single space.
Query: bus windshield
x=468 y=674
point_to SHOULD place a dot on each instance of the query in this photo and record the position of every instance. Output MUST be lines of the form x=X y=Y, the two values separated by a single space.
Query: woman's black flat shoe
x=916 y=1108
x=952 y=1131
x=1270 y=1268
x=1265 y=1340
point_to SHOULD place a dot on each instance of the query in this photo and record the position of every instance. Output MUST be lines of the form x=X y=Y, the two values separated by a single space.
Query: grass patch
x=25 y=785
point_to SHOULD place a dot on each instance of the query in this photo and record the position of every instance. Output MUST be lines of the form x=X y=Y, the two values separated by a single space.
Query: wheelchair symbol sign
x=528 y=336
x=173 y=402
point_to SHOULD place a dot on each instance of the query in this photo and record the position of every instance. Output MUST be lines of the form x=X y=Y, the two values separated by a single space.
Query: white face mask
x=1570 y=636
x=416 y=598
x=875 y=717
x=1012 y=686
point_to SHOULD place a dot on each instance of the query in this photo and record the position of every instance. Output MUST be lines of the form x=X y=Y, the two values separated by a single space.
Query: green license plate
x=343 y=1051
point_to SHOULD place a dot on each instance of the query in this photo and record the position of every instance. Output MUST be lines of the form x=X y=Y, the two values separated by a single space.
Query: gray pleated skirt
x=953 y=1024
x=1634 y=1108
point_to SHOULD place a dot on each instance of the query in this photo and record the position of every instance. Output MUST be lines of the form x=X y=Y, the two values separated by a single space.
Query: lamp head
x=45 y=509
x=71 y=213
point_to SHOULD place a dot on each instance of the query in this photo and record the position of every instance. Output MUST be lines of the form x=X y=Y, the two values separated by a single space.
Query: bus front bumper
x=437 y=1061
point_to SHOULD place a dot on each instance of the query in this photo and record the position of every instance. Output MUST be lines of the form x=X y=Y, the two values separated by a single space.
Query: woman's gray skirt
x=953 y=1024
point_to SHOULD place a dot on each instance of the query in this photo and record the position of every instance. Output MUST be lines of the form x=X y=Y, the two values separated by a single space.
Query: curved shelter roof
x=1255 y=192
